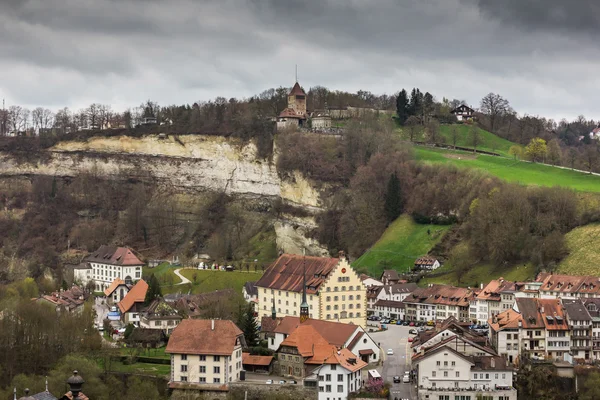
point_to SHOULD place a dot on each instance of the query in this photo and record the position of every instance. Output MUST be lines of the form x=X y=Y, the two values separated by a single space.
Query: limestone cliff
x=187 y=163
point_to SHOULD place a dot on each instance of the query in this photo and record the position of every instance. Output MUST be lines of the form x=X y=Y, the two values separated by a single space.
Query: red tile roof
x=346 y=359
x=569 y=283
x=505 y=320
x=196 y=336
x=113 y=286
x=291 y=113
x=114 y=256
x=440 y=294
x=494 y=288
x=425 y=260
x=297 y=90
x=286 y=273
x=261 y=361
x=335 y=333
x=137 y=294
x=310 y=344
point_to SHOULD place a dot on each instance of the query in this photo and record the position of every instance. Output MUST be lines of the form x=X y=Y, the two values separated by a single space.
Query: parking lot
x=396 y=339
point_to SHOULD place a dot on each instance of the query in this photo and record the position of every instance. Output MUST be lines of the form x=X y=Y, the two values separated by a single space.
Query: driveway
x=396 y=338
x=184 y=280
x=101 y=310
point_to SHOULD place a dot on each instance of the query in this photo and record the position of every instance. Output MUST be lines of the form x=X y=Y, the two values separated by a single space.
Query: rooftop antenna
x=296 y=73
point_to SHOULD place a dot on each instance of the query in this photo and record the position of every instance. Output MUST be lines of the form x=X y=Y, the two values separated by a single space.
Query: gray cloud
x=538 y=54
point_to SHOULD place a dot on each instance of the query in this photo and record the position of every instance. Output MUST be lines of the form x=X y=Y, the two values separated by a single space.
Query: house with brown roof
x=352 y=337
x=443 y=331
x=426 y=263
x=161 y=316
x=389 y=277
x=254 y=363
x=504 y=334
x=580 y=322
x=438 y=302
x=334 y=291
x=205 y=354
x=463 y=112
x=497 y=296
x=117 y=291
x=132 y=304
x=71 y=300
x=568 y=286
x=339 y=375
x=111 y=262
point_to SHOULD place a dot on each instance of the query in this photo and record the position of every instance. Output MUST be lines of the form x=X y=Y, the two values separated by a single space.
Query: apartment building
x=497 y=296
x=340 y=375
x=581 y=325
x=447 y=371
x=593 y=308
x=110 y=262
x=334 y=291
x=438 y=302
x=568 y=286
x=504 y=334
x=444 y=331
x=205 y=354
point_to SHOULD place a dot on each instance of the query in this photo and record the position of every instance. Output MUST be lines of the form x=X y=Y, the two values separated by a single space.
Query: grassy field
x=164 y=273
x=141 y=368
x=511 y=170
x=153 y=353
x=399 y=246
x=584 y=257
x=489 y=141
x=481 y=274
x=208 y=281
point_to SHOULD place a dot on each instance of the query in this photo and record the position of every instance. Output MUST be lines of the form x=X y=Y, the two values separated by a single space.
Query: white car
x=405 y=379
x=270 y=382
x=390 y=352
x=121 y=331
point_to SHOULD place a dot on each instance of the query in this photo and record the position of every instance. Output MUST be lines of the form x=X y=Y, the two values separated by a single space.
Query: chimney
x=520 y=324
x=212 y=324
x=493 y=362
x=542 y=309
x=481 y=286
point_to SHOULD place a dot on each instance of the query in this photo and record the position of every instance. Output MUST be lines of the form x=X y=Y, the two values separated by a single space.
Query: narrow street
x=396 y=338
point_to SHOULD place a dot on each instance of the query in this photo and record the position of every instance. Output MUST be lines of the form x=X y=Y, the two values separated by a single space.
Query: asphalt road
x=396 y=338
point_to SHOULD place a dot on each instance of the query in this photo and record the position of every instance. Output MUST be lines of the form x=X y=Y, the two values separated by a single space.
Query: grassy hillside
x=489 y=141
x=399 y=246
x=164 y=273
x=584 y=257
x=208 y=281
x=481 y=274
x=511 y=170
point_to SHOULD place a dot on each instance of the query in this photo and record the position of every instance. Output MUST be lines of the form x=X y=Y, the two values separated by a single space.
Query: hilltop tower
x=297 y=100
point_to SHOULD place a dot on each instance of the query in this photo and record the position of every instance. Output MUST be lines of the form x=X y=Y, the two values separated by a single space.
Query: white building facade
x=109 y=263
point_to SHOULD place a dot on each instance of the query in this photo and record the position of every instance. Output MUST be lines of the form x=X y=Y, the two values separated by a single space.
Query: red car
x=411 y=324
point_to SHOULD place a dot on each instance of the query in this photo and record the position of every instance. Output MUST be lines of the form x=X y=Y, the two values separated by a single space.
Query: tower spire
x=304 y=305
x=296 y=73
x=273 y=310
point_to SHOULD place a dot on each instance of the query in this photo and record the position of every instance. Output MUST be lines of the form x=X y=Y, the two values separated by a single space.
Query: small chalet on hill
x=426 y=263
x=463 y=112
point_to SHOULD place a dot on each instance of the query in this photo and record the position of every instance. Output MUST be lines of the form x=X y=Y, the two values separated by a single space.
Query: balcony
x=583 y=348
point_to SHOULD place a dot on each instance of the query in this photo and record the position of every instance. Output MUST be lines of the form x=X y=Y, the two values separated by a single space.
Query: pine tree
x=250 y=327
x=416 y=103
x=402 y=107
x=153 y=290
x=393 y=200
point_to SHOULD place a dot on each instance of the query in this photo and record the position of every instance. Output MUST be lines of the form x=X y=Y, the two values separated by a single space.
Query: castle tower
x=297 y=100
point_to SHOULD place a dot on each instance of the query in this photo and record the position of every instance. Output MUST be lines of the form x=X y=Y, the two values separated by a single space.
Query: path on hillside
x=184 y=280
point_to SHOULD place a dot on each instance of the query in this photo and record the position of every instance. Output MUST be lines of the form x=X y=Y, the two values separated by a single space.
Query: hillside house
x=334 y=291
x=205 y=354
x=320 y=120
x=463 y=112
x=71 y=300
x=340 y=375
x=159 y=315
x=132 y=304
x=568 y=286
x=369 y=281
x=82 y=273
x=117 y=291
x=389 y=277
x=426 y=263
x=250 y=292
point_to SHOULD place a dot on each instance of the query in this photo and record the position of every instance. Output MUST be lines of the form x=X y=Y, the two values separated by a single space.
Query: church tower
x=304 y=312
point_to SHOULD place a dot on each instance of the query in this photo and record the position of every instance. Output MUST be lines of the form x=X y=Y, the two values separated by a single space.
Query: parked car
x=396 y=379
x=392 y=322
x=412 y=331
x=281 y=382
x=122 y=330
x=430 y=323
x=411 y=323
x=270 y=382
x=405 y=379
x=294 y=382
x=390 y=352
x=405 y=323
x=100 y=328
x=399 y=322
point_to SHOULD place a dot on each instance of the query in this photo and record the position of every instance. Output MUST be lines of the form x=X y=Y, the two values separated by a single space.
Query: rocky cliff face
x=189 y=163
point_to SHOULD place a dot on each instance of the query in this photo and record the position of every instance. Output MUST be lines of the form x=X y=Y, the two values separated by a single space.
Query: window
x=216 y=370
x=357 y=315
x=333 y=367
x=320 y=378
x=340 y=377
x=216 y=380
x=457 y=374
x=438 y=363
x=184 y=368
x=328 y=298
x=340 y=388
x=503 y=376
x=328 y=308
x=351 y=288
x=321 y=389
x=183 y=378
x=453 y=363
x=433 y=374
x=202 y=380
x=328 y=388
x=156 y=323
x=328 y=377
x=445 y=374
x=445 y=363
x=496 y=376
x=328 y=316
x=335 y=298
x=350 y=297
x=217 y=358
x=202 y=358
x=183 y=357
x=358 y=297
x=487 y=376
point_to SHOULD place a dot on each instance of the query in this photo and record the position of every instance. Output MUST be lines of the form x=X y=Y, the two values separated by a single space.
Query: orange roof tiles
x=196 y=336
x=346 y=359
x=310 y=344
x=506 y=319
x=286 y=273
x=494 y=288
x=335 y=333
x=291 y=113
x=137 y=294
x=569 y=283
x=262 y=361
x=113 y=286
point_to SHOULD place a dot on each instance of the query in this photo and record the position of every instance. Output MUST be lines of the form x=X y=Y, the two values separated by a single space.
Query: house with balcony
x=532 y=331
x=159 y=315
x=581 y=325
x=454 y=370
x=497 y=296
x=438 y=302
x=593 y=308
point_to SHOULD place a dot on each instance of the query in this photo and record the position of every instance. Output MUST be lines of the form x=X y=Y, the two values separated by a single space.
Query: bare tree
x=454 y=135
x=590 y=156
x=18 y=119
x=475 y=137
x=105 y=113
x=412 y=126
x=93 y=115
x=495 y=106
x=63 y=120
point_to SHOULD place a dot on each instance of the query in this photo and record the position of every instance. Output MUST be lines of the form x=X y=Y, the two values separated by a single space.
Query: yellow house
x=334 y=291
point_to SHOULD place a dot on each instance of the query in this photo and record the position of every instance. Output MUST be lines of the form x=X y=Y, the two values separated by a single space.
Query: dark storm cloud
x=74 y=52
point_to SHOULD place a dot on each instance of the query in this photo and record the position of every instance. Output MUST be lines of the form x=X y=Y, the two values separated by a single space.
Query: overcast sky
x=542 y=55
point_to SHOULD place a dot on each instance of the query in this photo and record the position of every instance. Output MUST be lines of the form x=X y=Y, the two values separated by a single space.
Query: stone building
x=295 y=114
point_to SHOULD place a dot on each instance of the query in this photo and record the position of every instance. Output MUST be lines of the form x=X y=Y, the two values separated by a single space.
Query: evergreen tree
x=416 y=103
x=153 y=290
x=250 y=327
x=428 y=104
x=402 y=106
x=393 y=200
